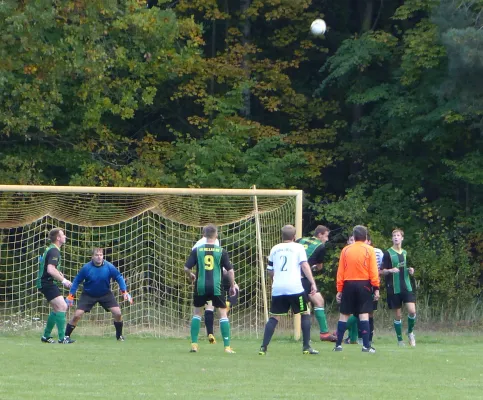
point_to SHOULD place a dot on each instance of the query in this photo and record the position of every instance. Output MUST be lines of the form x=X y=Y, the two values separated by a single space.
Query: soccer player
x=315 y=249
x=210 y=260
x=284 y=266
x=49 y=271
x=209 y=308
x=398 y=285
x=356 y=274
x=97 y=275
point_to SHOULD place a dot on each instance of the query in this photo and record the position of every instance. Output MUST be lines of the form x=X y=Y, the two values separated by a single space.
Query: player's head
x=97 y=256
x=360 y=233
x=350 y=240
x=322 y=233
x=210 y=231
x=288 y=232
x=397 y=236
x=57 y=236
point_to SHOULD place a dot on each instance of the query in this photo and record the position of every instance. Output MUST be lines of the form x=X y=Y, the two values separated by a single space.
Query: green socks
x=398 y=329
x=411 y=322
x=195 y=328
x=353 y=327
x=50 y=324
x=321 y=319
x=60 y=322
x=225 y=331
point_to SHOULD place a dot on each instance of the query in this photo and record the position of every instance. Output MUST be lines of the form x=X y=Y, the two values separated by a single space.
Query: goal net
x=148 y=235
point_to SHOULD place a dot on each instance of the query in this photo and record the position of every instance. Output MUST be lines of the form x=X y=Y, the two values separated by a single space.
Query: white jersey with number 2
x=284 y=260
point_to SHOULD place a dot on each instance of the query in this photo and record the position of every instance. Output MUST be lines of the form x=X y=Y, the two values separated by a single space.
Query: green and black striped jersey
x=51 y=256
x=209 y=260
x=399 y=282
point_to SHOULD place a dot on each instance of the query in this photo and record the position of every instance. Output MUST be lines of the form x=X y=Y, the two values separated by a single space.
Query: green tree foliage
x=379 y=121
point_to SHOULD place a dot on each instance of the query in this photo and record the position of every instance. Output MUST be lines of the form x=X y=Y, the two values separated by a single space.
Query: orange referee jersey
x=357 y=262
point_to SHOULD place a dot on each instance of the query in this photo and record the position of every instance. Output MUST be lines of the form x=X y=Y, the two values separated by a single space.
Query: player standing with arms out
x=209 y=260
x=357 y=277
x=285 y=262
x=315 y=249
x=49 y=271
x=97 y=275
x=398 y=285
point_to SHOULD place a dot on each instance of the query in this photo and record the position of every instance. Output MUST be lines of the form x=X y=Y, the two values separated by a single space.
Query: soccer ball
x=318 y=27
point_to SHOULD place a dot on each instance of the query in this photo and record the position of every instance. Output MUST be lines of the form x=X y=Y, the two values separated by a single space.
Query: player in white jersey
x=284 y=266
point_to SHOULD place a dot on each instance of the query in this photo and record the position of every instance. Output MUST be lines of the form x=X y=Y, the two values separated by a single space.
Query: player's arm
x=386 y=265
x=319 y=257
x=340 y=276
x=374 y=273
x=410 y=269
x=79 y=278
x=308 y=274
x=190 y=264
x=115 y=274
x=52 y=260
x=230 y=273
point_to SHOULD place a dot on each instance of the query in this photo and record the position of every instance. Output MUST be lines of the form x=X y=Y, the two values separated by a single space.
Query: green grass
x=440 y=367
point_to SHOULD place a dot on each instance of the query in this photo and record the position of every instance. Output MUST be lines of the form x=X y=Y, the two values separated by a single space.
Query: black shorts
x=107 y=301
x=201 y=300
x=356 y=298
x=50 y=291
x=281 y=304
x=307 y=286
x=374 y=305
x=395 y=301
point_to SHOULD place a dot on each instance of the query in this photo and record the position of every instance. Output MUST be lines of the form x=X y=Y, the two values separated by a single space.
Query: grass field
x=440 y=367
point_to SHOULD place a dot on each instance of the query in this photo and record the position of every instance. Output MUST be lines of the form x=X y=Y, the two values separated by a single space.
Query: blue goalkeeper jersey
x=97 y=279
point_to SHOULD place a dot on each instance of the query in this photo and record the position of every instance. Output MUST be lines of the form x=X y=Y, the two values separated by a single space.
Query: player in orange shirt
x=357 y=276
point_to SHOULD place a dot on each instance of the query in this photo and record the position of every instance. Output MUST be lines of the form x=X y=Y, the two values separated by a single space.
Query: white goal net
x=148 y=235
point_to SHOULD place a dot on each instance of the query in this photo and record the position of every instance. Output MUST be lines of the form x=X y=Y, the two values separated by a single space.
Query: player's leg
x=394 y=303
x=50 y=293
x=371 y=327
x=347 y=307
x=210 y=322
x=84 y=305
x=199 y=302
x=299 y=305
x=365 y=306
x=279 y=306
x=319 y=311
x=353 y=329
x=109 y=303
x=411 y=307
x=60 y=308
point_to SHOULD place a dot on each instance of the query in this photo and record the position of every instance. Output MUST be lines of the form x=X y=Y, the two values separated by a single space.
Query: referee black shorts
x=356 y=298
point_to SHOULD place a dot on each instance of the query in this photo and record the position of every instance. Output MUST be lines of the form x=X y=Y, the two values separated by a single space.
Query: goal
x=147 y=234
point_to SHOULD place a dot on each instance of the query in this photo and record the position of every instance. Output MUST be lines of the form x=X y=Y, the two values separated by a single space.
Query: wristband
x=64 y=281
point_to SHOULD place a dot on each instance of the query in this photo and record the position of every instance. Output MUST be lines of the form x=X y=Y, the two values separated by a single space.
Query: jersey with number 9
x=284 y=260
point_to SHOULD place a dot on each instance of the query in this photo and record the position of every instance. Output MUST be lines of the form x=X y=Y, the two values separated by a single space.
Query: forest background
x=380 y=121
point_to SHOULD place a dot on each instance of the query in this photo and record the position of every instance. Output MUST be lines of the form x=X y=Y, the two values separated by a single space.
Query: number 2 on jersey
x=284 y=260
x=209 y=263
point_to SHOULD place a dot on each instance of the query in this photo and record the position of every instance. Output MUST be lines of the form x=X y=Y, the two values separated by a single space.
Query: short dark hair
x=321 y=229
x=288 y=232
x=54 y=233
x=210 y=231
x=97 y=249
x=360 y=233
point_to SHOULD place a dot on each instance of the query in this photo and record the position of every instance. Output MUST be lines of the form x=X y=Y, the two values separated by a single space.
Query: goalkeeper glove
x=127 y=296
x=69 y=300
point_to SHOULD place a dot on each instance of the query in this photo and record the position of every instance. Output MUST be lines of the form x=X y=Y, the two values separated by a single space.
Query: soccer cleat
x=368 y=349
x=338 y=348
x=412 y=339
x=229 y=350
x=66 y=340
x=310 y=350
x=120 y=339
x=400 y=343
x=262 y=351
x=211 y=339
x=49 y=339
x=328 y=337
x=194 y=348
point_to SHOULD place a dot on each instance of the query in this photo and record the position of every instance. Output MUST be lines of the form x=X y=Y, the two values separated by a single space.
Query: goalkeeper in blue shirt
x=97 y=275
